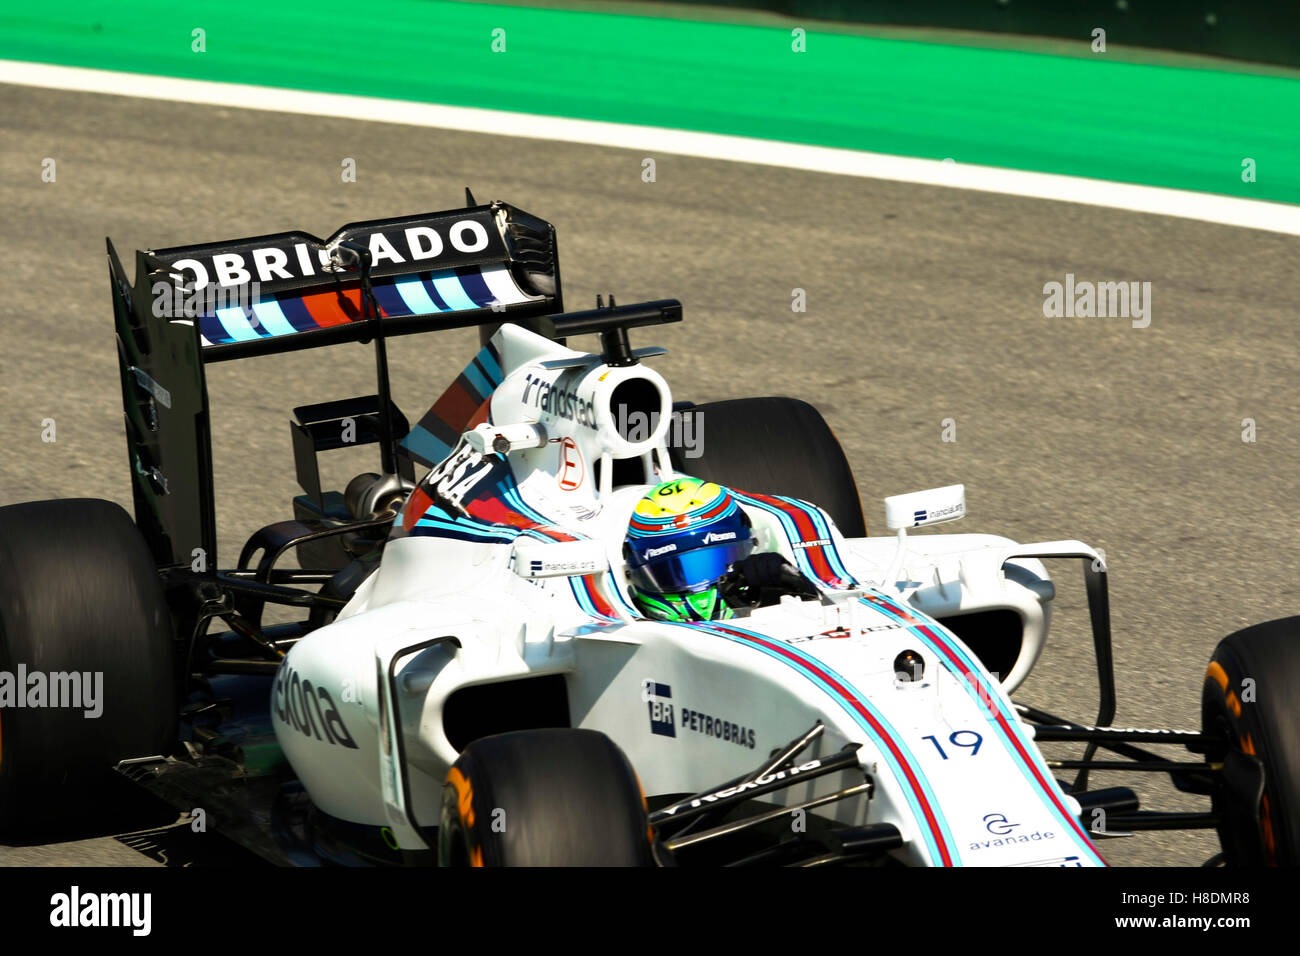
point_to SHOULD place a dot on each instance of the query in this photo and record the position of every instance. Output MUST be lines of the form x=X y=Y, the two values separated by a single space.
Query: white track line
x=1186 y=204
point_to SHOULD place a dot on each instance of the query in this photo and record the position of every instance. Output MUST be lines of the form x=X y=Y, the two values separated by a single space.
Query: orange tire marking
x=1266 y=821
x=1219 y=675
x=645 y=805
x=464 y=796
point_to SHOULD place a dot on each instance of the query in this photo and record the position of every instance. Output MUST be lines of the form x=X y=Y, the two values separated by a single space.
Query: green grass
x=1128 y=122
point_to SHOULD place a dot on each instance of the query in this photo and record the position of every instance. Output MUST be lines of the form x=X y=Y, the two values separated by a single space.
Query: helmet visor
x=689 y=570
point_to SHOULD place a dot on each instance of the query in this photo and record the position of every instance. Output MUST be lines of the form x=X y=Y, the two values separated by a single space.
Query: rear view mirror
x=557 y=559
x=920 y=508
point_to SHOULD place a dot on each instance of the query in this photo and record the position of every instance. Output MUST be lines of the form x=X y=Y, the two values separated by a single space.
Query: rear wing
x=293 y=291
x=193 y=305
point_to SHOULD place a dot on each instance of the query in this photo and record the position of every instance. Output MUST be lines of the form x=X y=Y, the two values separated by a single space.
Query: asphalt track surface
x=923 y=304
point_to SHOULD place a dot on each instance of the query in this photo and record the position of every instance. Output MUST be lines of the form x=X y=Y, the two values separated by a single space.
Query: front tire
x=1251 y=697
x=78 y=594
x=553 y=797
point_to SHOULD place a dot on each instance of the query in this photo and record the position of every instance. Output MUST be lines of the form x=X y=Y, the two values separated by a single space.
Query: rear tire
x=556 y=797
x=775 y=446
x=79 y=593
x=1252 y=697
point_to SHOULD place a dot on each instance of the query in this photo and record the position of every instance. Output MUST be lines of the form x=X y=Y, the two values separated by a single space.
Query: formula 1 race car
x=471 y=680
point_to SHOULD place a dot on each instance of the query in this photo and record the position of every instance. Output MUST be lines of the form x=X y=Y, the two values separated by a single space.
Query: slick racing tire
x=774 y=446
x=555 y=797
x=1251 y=698
x=79 y=595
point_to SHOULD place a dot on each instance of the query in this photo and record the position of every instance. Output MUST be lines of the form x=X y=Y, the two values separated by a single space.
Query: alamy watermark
x=75 y=908
x=73 y=690
x=1086 y=299
x=685 y=429
x=177 y=300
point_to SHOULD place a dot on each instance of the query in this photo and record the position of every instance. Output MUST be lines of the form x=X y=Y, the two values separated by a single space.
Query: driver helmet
x=683 y=536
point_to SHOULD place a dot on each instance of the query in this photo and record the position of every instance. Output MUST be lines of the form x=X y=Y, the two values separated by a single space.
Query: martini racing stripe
x=807 y=532
x=273 y=319
x=802 y=559
x=614 y=589
x=823 y=531
x=390 y=299
x=590 y=599
x=297 y=314
x=481 y=383
x=424 y=446
x=593 y=591
x=543 y=524
x=472 y=282
x=435 y=522
x=489 y=518
x=463 y=405
x=460 y=531
x=236 y=326
x=938 y=838
x=499 y=512
x=828 y=550
x=452 y=290
x=490 y=363
x=968 y=674
x=418 y=298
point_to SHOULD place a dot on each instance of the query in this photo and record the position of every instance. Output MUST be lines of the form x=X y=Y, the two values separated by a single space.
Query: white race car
x=507 y=662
